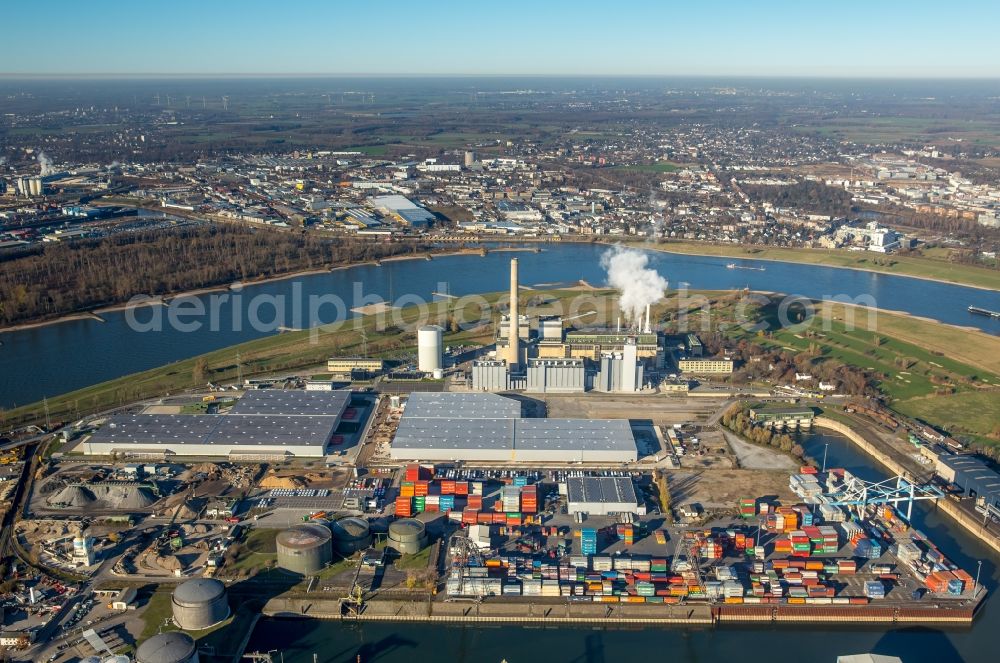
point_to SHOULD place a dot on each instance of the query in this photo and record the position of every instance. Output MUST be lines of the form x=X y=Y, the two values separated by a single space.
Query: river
x=403 y=643
x=54 y=359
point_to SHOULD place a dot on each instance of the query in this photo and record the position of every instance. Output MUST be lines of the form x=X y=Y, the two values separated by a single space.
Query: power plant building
x=264 y=424
x=560 y=376
x=490 y=375
x=199 y=603
x=620 y=372
x=451 y=427
x=305 y=549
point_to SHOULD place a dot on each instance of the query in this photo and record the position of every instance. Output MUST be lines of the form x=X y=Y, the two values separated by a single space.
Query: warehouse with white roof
x=264 y=424
x=481 y=427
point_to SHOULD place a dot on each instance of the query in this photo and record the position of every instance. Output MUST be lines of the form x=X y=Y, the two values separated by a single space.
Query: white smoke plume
x=629 y=273
x=45 y=164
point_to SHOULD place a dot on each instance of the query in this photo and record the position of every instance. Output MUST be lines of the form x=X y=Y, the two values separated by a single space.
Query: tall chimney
x=513 y=341
x=647 y=330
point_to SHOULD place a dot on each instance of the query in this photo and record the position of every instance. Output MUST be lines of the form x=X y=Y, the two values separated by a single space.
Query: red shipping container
x=475 y=501
x=461 y=487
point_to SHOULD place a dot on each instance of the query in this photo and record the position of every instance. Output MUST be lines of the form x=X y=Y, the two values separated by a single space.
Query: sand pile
x=72 y=496
x=274 y=481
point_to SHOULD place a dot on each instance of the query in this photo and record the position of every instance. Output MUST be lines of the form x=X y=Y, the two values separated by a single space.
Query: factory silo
x=305 y=549
x=407 y=536
x=430 y=348
x=170 y=647
x=351 y=535
x=199 y=603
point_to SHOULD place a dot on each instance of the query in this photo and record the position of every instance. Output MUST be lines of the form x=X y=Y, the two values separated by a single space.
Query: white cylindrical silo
x=429 y=348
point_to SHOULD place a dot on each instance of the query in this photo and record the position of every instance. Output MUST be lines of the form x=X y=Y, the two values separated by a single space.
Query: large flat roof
x=460 y=406
x=427 y=433
x=292 y=402
x=598 y=490
x=260 y=418
x=574 y=435
x=221 y=429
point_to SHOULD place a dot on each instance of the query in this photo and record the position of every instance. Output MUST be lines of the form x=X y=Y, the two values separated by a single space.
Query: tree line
x=66 y=277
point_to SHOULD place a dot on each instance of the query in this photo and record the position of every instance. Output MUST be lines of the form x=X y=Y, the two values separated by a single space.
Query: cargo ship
x=733 y=265
x=984 y=311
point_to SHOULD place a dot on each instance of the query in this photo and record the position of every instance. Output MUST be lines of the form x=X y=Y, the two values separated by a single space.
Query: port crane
x=859 y=494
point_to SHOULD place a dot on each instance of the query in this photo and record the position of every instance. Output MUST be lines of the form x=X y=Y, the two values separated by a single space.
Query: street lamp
x=825 y=448
x=979 y=567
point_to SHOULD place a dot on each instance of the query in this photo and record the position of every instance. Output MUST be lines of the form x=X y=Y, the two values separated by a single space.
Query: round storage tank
x=172 y=647
x=351 y=535
x=407 y=536
x=200 y=603
x=429 y=348
x=305 y=549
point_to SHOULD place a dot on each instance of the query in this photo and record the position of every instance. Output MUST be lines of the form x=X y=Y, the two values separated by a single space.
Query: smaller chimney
x=619 y=324
x=648 y=329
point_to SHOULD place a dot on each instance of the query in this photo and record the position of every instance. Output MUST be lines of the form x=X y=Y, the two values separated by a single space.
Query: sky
x=835 y=38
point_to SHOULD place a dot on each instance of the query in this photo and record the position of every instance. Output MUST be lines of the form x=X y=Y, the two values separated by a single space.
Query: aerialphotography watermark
x=676 y=311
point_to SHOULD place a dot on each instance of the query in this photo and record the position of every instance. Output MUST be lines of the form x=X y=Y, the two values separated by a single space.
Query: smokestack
x=513 y=341
x=619 y=324
x=647 y=330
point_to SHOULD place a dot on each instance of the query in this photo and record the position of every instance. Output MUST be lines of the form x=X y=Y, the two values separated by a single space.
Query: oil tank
x=171 y=647
x=351 y=535
x=199 y=603
x=429 y=348
x=407 y=536
x=305 y=549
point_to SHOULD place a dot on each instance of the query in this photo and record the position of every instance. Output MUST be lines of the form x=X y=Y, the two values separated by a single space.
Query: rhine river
x=330 y=642
x=54 y=359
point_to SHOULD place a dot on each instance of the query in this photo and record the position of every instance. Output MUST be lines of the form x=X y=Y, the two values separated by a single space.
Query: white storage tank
x=430 y=348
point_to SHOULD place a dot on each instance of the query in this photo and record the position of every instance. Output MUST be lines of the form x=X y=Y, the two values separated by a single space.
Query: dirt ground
x=722 y=489
x=658 y=408
x=754 y=457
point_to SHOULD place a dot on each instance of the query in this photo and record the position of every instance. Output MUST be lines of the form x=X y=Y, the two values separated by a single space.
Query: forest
x=66 y=277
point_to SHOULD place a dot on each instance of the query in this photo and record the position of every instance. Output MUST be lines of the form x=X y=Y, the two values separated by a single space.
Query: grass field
x=929 y=268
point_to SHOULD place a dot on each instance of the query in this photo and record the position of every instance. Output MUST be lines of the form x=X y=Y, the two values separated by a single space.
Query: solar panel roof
x=601 y=489
x=574 y=434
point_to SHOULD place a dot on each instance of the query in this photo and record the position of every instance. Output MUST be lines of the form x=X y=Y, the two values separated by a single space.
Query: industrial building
x=349 y=364
x=561 y=376
x=602 y=496
x=489 y=428
x=706 y=366
x=975 y=479
x=490 y=375
x=781 y=417
x=199 y=603
x=305 y=549
x=620 y=372
x=169 y=647
x=263 y=425
x=403 y=209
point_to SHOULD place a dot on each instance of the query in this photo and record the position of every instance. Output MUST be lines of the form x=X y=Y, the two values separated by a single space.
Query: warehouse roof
x=972 y=473
x=221 y=429
x=432 y=433
x=292 y=402
x=574 y=435
x=601 y=490
x=459 y=406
